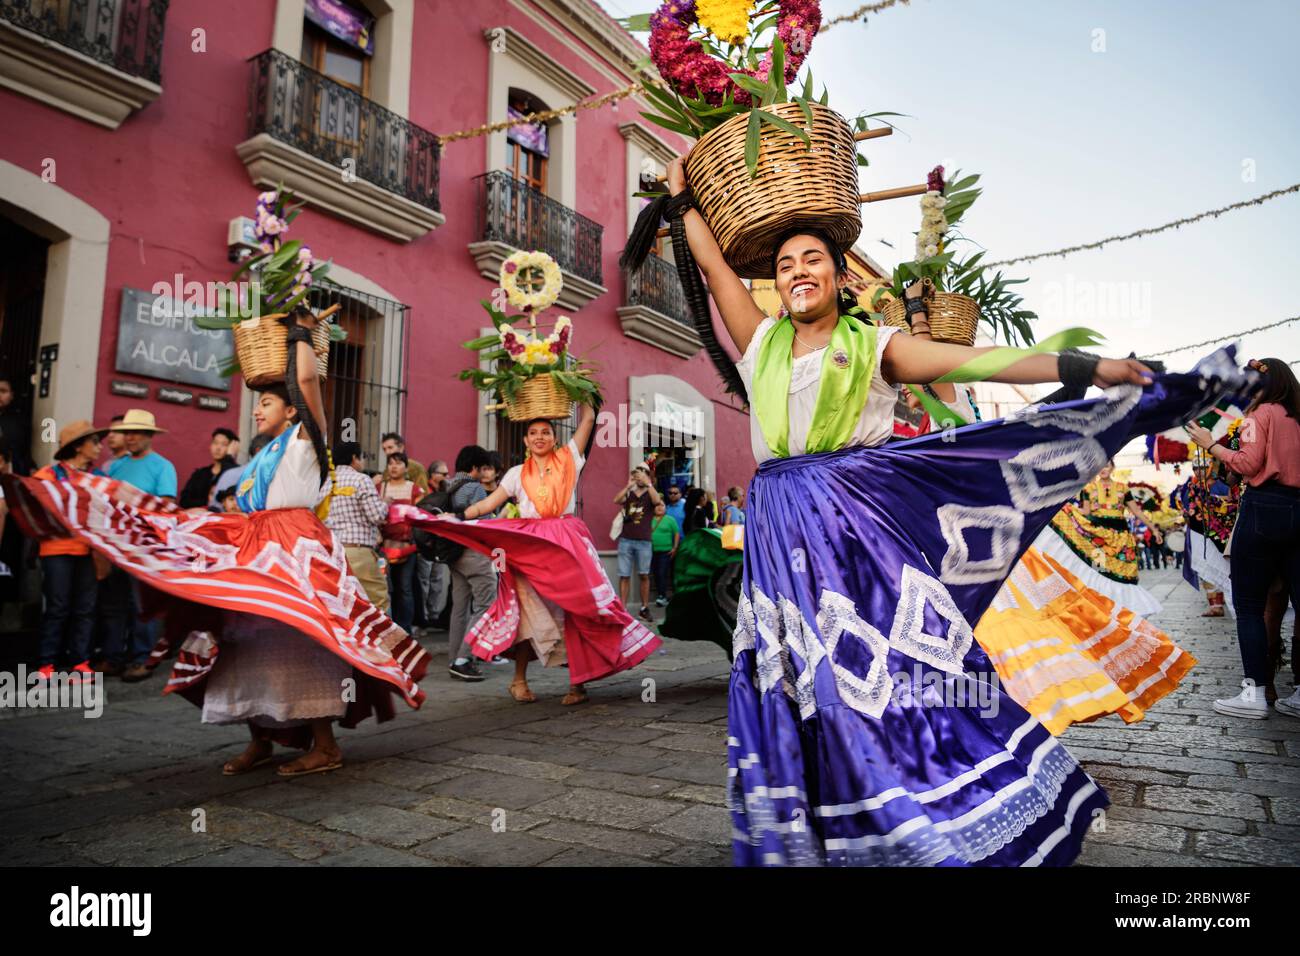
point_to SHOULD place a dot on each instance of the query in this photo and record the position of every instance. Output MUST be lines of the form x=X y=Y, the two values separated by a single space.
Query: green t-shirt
x=663 y=530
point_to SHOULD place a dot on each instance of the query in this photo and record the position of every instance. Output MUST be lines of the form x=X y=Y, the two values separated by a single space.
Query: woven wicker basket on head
x=953 y=317
x=539 y=397
x=263 y=350
x=795 y=186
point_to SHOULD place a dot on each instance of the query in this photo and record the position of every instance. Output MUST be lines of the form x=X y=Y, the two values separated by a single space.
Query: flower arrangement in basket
x=260 y=312
x=767 y=157
x=531 y=374
x=959 y=293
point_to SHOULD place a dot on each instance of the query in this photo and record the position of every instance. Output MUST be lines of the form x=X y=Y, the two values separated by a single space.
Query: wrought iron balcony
x=515 y=213
x=656 y=285
x=296 y=105
x=124 y=34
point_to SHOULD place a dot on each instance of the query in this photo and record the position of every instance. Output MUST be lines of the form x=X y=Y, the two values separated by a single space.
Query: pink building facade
x=133 y=142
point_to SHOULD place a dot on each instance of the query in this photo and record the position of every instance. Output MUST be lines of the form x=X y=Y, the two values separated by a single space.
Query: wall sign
x=157 y=338
x=214 y=403
x=177 y=396
x=130 y=389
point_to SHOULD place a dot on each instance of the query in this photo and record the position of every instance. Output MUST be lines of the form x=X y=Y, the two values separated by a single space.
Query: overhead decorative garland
x=715 y=12
x=1225 y=338
x=861 y=12
x=544 y=116
x=1215 y=213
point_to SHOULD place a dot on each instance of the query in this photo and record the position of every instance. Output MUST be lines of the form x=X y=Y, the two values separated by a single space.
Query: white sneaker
x=1250 y=703
x=1289 y=705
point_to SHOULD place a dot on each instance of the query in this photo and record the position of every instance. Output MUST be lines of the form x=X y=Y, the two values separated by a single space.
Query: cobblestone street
x=622 y=781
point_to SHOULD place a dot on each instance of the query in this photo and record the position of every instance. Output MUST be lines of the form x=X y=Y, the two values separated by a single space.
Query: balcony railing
x=296 y=105
x=656 y=285
x=125 y=34
x=515 y=213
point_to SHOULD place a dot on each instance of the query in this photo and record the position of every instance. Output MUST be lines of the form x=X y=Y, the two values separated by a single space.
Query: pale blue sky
x=1075 y=145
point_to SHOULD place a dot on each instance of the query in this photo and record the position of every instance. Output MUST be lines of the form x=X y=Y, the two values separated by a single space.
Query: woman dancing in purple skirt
x=866 y=724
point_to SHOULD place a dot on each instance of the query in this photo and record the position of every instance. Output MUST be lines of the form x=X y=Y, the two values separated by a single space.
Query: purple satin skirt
x=866 y=725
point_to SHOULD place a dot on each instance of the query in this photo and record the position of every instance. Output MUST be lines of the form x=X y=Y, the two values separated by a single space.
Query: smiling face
x=806 y=278
x=273 y=414
x=540 y=439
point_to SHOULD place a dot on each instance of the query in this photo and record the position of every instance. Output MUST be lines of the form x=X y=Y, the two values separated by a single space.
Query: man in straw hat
x=67 y=570
x=143 y=468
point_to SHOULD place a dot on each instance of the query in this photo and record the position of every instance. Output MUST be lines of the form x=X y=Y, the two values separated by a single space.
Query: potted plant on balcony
x=259 y=313
x=531 y=374
x=960 y=293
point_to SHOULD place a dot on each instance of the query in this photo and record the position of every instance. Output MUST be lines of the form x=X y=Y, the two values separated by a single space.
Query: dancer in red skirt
x=554 y=601
x=276 y=631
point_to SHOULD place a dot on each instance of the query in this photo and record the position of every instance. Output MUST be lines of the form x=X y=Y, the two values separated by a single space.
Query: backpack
x=435 y=547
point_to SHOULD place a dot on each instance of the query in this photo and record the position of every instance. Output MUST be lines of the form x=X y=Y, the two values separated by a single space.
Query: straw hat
x=137 y=420
x=73 y=434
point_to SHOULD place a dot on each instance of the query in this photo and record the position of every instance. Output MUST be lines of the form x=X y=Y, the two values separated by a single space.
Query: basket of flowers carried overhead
x=530 y=371
x=959 y=294
x=283 y=275
x=766 y=158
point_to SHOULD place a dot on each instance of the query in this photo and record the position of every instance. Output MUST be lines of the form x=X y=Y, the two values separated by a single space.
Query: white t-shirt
x=875 y=424
x=296 y=482
x=515 y=487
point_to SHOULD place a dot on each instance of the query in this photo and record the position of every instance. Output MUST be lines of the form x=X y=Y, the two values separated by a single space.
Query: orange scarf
x=551 y=490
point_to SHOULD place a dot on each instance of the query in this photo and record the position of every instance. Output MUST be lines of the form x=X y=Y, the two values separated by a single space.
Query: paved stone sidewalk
x=1189 y=787
x=473 y=778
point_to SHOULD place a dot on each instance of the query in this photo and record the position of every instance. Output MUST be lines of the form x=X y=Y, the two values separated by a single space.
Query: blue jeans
x=661 y=564
x=115 y=614
x=401 y=592
x=1266 y=543
x=68 y=581
x=634 y=553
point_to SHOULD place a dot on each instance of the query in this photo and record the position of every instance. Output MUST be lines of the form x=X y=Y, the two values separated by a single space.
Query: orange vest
x=56 y=546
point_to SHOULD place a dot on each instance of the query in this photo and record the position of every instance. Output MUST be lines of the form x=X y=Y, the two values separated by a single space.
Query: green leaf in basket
x=751 y=144
x=674 y=125
x=784 y=126
x=863 y=161
x=748 y=84
x=636 y=23
x=482 y=342
x=776 y=75
x=807 y=113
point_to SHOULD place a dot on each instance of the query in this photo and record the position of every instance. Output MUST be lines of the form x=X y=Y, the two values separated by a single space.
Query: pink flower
x=934 y=181
x=511 y=266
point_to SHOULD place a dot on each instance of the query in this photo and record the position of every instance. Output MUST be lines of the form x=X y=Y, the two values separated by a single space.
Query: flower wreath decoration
x=517 y=274
x=528 y=348
x=693 y=72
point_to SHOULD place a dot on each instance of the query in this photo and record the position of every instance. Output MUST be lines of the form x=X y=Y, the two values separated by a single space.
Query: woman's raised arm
x=740 y=314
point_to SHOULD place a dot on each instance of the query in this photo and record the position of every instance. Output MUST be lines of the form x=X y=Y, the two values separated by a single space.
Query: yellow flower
x=728 y=20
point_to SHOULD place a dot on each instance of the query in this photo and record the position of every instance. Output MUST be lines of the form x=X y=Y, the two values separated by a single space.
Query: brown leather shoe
x=136 y=672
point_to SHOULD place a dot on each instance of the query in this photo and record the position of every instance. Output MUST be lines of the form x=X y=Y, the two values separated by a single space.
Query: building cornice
x=538 y=63
x=641 y=136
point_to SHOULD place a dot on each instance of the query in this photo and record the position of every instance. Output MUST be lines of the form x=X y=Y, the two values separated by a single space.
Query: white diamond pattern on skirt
x=788 y=650
x=1006 y=525
x=1120 y=400
x=908 y=634
x=836 y=617
x=1084 y=456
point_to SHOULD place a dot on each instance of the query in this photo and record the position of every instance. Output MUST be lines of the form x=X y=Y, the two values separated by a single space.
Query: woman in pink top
x=1266 y=540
